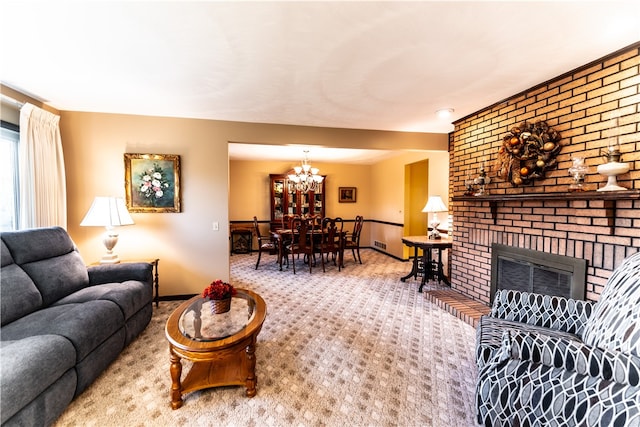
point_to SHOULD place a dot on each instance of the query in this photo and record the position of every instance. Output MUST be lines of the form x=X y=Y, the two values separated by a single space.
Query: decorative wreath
x=527 y=151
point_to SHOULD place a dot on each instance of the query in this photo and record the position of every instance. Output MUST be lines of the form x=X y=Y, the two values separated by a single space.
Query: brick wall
x=588 y=106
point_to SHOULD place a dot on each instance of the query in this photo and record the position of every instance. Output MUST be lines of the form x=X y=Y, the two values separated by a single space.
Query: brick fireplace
x=588 y=106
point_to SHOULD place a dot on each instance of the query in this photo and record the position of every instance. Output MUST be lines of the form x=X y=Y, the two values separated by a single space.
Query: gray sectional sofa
x=63 y=323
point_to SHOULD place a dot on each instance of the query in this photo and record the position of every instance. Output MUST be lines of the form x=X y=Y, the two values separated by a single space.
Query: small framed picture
x=152 y=182
x=346 y=194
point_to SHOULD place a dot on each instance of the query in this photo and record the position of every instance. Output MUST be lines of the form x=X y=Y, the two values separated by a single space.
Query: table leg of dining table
x=280 y=252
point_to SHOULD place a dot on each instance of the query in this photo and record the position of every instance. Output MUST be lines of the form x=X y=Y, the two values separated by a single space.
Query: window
x=9 y=139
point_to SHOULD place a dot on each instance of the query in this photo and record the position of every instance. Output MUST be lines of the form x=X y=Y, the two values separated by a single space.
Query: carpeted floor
x=351 y=348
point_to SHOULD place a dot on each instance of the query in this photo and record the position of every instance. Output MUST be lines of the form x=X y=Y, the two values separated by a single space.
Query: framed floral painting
x=152 y=182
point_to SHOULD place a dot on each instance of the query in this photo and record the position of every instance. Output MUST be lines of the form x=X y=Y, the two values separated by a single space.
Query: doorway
x=416 y=193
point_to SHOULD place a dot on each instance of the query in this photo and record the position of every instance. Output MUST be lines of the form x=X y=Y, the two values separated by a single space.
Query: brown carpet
x=350 y=348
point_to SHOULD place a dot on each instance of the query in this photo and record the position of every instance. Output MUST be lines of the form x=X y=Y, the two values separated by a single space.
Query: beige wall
x=388 y=196
x=249 y=188
x=191 y=253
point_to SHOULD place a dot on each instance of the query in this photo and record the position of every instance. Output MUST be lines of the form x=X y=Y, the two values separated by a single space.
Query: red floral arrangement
x=218 y=290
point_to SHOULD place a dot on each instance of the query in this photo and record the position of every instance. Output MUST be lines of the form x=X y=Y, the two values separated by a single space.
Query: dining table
x=284 y=236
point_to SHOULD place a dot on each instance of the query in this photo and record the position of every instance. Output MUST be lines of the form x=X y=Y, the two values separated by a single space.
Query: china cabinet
x=286 y=200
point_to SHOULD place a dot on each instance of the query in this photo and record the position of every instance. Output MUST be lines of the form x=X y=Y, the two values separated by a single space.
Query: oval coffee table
x=221 y=346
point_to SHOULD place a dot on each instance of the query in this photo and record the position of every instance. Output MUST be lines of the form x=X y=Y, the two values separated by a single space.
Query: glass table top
x=198 y=322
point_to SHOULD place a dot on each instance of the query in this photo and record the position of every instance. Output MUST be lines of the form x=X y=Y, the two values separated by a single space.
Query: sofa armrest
x=571 y=356
x=110 y=273
x=559 y=313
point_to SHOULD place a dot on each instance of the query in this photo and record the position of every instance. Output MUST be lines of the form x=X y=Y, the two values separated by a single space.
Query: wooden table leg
x=426 y=267
x=441 y=275
x=176 y=373
x=341 y=255
x=414 y=267
x=156 y=281
x=280 y=251
x=251 y=381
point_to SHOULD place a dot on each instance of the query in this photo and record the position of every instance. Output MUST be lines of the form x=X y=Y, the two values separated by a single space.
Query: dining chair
x=302 y=242
x=265 y=243
x=331 y=241
x=286 y=221
x=353 y=242
x=282 y=237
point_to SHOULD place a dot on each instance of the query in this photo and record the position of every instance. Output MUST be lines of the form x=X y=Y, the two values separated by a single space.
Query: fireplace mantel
x=579 y=195
x=609 y=197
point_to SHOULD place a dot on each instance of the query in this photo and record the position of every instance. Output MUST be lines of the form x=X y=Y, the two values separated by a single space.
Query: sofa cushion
x=130 y=296
x=49 y=257
x=615 y=322
x=29 y=366
x=86 y=325
x=45 y=409
x=37 y=243
x=18 y=294
x=5 y=255
x=58 y=277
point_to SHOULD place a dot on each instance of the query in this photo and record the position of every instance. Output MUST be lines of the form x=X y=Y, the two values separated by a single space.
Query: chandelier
x=305 y=178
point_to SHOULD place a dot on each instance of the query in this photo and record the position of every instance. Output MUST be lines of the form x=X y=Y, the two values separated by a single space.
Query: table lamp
x=434 y=205
x=108 y=212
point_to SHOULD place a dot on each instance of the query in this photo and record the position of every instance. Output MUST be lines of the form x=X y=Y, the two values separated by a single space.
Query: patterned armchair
x=555 y=361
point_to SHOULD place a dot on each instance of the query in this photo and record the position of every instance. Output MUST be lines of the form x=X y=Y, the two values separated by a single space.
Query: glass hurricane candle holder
x=468 y=184
x=577 y=171
x=481 y=181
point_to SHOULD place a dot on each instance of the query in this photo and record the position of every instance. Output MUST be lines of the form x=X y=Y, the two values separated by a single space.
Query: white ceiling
x=296 y=153
x=385 y=65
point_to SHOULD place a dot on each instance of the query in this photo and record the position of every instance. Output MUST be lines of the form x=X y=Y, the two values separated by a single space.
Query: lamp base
x=110 y=259
x=434 y=233
x=109 y=240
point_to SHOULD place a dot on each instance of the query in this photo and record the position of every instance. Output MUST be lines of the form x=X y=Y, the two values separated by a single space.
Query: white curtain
x=43 y=190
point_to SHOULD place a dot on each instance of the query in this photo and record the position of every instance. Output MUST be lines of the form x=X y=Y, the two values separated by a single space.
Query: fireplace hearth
x=536 y=271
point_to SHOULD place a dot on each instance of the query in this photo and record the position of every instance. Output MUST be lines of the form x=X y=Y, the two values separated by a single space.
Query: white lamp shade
x=107 y=212
x=435 y=204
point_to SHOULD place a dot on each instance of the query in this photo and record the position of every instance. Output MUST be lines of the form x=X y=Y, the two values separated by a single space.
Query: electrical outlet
x=216 y=226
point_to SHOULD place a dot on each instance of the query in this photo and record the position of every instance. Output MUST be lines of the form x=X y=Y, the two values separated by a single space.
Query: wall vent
x=380 y=245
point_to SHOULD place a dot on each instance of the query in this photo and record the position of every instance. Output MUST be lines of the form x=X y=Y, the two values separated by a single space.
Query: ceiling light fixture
x=305 y=178
x=445 y=113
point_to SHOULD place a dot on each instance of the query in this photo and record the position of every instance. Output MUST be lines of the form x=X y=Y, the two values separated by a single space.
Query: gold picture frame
x=347 y=194
x=152 y=182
